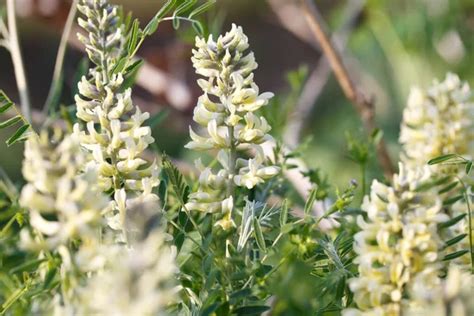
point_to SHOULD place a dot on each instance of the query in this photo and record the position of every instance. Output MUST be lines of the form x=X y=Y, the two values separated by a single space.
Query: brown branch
x=362 y=104
x=315 y=83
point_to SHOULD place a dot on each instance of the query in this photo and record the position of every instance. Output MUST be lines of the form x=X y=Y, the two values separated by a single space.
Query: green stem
x=14 y=45
x=469 y=218
x=231 y=185
x=232 y=162
x=363 y=171
x=56 y=84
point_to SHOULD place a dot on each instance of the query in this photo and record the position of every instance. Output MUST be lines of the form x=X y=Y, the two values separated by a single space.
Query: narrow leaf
x=176 y=179
x=153 y=24
x=259 y=235
x=17 y=137
x=455 y=240
x=448 y=188
x=468 y=167
x=133 y=35
x=453 y=200
x=311 y=199
x=156 y=119
x=284 y=213
x=452 y=221
x=197 y=26
x=441 y=159
x=455 y=255
x=5 y=102
x=251 y=310
x=10 y=122
x=201 y=9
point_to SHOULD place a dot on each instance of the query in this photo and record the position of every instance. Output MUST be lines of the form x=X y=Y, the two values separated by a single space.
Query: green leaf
x=468 y=167
x=455 y=255
x=452 y=221
x=376 y=136
x=153 y=24
x=5 y=102
x=176 y=179
x=29 y=265
x=19 y=135
x=133 y=35
x=157 y=118
x=455 y=240
x=131 y=74
x=259 y=235
x=197 y=26
x=251 y=310
x=187 y=4
x=134 y=67
x=201 y=9
x=453 y=200
x=240 y=294
x=311 y=199
x=52 y=272
x=441 y=159
x=448 y=188
x=11 y=121
x=431 y=184
x=284 y=213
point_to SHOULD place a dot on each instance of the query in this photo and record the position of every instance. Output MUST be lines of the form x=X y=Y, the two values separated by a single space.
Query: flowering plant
x=105 y=223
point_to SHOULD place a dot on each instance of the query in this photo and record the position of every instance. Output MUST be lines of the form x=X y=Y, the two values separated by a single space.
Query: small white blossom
x=113 y=128
x=399 y=248
x=63 y=199
x=136 y=281
x=438 y=121
x=226 y=113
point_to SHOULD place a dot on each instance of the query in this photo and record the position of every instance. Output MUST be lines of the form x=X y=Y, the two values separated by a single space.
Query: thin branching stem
x=363 y=105
x=58 y=67
x=469 y=218
x=17 y=60
x=4 y=29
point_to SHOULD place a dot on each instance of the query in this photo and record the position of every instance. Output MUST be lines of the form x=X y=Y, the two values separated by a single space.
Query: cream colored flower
x=438 y=121
x=226 y=113
x=136 y=281
x=399 y=248
x=113 y=128
x=63 y=199
x=452 y=297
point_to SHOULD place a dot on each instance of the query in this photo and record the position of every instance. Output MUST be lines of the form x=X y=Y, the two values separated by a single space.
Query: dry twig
x=319 y=77
x=363 y=105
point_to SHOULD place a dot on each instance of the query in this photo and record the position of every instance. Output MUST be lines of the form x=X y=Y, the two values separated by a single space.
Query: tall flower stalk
x=227 y=114
x=112 y=128
x=437 y=122
x=399 y=248
x=63 y=200
x=440 y=121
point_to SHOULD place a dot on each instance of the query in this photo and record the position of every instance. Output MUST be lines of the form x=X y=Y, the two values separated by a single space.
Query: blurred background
x=388 y=47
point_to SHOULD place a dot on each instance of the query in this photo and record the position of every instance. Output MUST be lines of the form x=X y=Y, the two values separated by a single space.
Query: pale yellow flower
x=114 y=132
x=61 y=195
x=226 y=113
x=399 y=248
x=438 y=121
